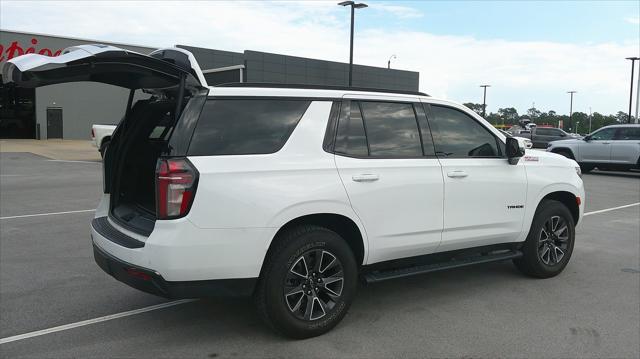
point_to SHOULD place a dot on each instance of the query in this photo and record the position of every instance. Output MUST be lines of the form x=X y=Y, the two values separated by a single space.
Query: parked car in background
x=541 y=136
x=526 y=143
x=609 y=148
x=101 y=136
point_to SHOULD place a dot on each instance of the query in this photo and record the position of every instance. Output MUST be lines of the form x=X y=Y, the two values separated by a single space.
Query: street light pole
x=571 y=106
x=389 y=61
x=353 y=6
x=633 y=63
x=484 y=101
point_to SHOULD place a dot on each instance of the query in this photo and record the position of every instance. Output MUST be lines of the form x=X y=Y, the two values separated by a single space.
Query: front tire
x=307 y=283
x=585 y=168
x=550 y=242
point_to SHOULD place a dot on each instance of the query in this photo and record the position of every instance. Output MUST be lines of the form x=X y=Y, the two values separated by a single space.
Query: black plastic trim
x=318 y=87
x=157 y=285
x=107 y=230
x=329 y=141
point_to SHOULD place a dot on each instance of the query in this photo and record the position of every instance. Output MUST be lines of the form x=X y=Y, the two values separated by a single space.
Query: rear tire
x=307 y=283
x=549 y=245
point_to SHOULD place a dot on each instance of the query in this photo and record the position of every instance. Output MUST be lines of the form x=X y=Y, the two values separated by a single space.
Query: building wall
x=83 y=103
x=267 y=67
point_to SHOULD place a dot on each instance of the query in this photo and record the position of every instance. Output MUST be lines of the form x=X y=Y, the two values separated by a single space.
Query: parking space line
x=93 y=321
x=48 y=214
x=612 y=209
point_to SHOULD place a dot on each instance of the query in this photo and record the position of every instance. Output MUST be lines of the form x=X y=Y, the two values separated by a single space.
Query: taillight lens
x=176 y=181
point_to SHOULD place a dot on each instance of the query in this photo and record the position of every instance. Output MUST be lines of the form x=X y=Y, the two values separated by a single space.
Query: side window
x=604 y=135
x=456 y=134
x=350 y=137
x=238 y=127
x=392 y=129
x=544 y=132
x=629 y=133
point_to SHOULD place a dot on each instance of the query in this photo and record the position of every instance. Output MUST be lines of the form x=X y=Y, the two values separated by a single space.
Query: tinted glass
x=458 y=135
x=543 y=132
x=236 y=127
x=603 y=135
x=350 y=137
x=392 y=129
x=630 y=133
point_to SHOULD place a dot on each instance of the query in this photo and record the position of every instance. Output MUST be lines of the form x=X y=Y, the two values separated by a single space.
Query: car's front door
x=598 y=146
x=625 y=147
x=394 y=184
x=484 y=195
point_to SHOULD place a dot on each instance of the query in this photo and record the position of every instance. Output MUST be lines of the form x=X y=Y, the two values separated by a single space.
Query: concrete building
x=68 y=110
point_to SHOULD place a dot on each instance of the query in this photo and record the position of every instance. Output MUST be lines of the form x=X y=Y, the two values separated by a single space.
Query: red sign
x=14 y=49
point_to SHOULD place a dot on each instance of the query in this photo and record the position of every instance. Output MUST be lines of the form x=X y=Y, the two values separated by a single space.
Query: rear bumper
x=152 y=282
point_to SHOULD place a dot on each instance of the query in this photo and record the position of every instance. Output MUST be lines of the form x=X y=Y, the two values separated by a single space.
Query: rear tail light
x=176 y=181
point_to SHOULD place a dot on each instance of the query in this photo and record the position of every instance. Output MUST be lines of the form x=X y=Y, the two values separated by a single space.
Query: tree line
x=510 y=116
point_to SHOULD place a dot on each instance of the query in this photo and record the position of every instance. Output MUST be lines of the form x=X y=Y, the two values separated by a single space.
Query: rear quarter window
x=241 y=127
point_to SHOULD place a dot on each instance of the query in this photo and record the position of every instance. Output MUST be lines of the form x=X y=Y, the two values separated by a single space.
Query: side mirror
x=587 y=138
x=563 y=134
x=514 y=150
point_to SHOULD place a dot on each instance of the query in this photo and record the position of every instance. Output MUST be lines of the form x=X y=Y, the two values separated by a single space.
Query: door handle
x=457 y=174
x=367 y=177
x=606 y=143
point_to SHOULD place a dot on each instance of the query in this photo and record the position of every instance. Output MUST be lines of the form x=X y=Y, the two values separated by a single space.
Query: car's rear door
x=625 y=147
x=163 y=68
x=394 y=183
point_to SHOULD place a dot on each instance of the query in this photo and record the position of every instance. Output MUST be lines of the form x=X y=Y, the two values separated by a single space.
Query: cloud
x=402 y=12
x=633 y=20
x=452 y=67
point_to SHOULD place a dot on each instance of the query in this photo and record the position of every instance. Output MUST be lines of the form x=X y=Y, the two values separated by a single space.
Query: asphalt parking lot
x=48 y=278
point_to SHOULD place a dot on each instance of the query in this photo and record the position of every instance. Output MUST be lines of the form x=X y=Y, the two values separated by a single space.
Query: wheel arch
x=563 y=149
x=566 y=198
x=346 y=227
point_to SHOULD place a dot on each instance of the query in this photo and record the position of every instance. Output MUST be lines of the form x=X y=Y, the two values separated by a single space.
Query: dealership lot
x=48 y=278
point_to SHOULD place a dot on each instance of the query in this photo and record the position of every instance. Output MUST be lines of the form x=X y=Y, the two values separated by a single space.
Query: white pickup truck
x=101 y=136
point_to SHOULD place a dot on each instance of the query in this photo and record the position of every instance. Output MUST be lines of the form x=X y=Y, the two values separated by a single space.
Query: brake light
x=176 y=181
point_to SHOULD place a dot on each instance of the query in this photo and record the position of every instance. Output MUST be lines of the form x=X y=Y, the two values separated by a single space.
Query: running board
x=381 y=275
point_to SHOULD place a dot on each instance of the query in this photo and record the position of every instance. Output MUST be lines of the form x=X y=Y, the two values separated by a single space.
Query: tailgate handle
x=457 y=174
x=367 y=177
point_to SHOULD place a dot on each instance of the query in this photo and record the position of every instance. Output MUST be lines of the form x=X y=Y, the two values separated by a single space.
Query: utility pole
x=353 y=6
x=571 y=106
x=633 y=63
x=590 y=116
x=484 y=101
x=637 y=98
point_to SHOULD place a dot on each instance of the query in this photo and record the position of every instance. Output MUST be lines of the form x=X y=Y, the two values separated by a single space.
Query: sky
x=528 y=51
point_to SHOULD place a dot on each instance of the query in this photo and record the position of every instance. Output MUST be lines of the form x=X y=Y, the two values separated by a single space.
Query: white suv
x=294 y=193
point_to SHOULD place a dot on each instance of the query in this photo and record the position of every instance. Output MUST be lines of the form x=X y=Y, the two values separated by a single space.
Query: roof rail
x=317 y=87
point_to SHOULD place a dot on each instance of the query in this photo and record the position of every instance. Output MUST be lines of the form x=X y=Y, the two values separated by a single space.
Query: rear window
x=242 y=127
